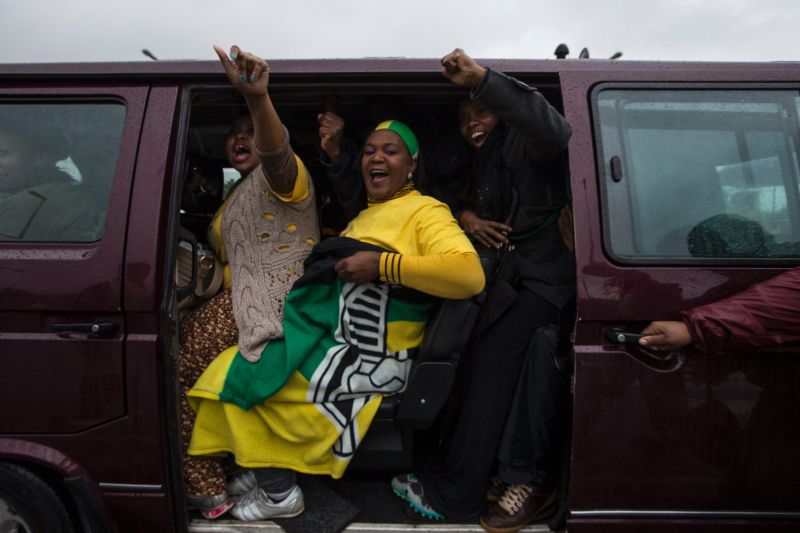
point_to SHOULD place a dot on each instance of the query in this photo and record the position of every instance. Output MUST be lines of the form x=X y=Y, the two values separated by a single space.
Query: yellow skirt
x=284 y=431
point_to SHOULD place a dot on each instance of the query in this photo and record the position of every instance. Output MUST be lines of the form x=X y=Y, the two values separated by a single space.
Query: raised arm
x=250 y=75
x=340 y=159
x=520 y=106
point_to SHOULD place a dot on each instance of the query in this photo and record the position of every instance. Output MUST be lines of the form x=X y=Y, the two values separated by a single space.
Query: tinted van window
x=699 y=173
x=56 y=169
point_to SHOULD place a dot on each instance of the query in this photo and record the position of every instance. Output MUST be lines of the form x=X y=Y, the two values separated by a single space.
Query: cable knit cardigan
x=267 y=236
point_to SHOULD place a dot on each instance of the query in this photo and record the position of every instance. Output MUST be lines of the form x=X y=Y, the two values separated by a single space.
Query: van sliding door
x=699 y=198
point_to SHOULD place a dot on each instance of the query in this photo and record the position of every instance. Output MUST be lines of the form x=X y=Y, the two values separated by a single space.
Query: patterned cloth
x=205 y=332
x=310 y=398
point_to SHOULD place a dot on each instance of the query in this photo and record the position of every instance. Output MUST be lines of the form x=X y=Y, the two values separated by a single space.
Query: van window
x=56 y=169
x=689 y=174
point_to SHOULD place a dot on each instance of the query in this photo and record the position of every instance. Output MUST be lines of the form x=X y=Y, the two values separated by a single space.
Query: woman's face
x=475 y=121
x=385 y=164
x=239 y=145
x=18 y=163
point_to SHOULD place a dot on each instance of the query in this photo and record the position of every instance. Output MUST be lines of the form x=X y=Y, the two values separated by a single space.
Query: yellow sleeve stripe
x=300 y=191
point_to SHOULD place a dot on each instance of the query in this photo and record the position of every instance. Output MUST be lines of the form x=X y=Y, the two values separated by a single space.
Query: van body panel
x=658 y=443
x=681 y=434
x=146 y=239
x=87 y=394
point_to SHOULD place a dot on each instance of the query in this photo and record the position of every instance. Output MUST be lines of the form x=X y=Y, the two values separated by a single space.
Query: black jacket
x=520 y=175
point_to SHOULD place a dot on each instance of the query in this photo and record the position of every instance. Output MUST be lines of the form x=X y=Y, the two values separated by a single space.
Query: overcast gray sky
x=102 y=30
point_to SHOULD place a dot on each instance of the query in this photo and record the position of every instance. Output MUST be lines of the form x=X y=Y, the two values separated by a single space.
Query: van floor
x=363 y=502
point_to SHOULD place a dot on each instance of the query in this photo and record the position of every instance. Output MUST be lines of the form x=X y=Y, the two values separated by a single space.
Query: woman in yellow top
x=350 y=333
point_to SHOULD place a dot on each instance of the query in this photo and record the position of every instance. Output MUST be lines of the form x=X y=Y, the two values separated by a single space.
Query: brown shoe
x=517 y=508
x=495 y=489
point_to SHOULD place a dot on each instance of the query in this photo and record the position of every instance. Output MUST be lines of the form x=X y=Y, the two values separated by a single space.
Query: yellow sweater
x=432 y=254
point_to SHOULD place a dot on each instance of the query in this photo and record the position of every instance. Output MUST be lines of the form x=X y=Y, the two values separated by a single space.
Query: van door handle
x=617 y=336
x=94 y=327
x=658 y=362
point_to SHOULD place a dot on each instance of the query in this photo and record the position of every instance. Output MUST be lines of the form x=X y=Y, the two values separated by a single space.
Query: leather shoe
x=517 y=508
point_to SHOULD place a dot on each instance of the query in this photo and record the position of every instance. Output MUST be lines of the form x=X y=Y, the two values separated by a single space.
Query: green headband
x=404 y=132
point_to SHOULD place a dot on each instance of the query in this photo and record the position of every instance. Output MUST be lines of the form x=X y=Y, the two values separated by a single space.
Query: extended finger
x=496 y=236
x=654 y=341
x=496 y=239
x=483 y=239
x=223 y=58
x=499 y=226
x=239 y=58
x=238 y=61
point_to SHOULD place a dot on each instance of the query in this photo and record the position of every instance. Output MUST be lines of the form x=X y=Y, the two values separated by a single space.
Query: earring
x=410 y=176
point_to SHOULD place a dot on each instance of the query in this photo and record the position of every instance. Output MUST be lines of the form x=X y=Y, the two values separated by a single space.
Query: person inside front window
x=38 y=202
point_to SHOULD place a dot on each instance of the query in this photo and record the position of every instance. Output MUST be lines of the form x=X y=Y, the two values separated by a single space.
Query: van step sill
x=236 y=526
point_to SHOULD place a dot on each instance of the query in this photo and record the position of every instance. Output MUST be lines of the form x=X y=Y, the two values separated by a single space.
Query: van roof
x=365 y=66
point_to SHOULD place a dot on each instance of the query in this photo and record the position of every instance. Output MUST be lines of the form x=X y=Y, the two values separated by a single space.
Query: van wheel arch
x=27 y=500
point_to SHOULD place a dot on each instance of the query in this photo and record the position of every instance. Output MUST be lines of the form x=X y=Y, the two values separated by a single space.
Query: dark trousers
x=275 y=480
x=455 y=480
x=531 y=444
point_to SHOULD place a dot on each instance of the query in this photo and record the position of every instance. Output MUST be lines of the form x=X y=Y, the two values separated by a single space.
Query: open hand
x=666 y=335
x=247 y=72
x=487 y=232
x=331 y=127
x=361 y=267
x=461 y=69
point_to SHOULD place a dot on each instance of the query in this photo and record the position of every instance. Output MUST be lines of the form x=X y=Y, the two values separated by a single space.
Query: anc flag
x=309 y=400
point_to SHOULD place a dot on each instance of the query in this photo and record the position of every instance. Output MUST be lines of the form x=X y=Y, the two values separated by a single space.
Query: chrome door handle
x=93 y=327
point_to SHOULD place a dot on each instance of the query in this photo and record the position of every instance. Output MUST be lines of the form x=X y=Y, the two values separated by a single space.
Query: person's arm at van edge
x=765 y=315
x=250 y=75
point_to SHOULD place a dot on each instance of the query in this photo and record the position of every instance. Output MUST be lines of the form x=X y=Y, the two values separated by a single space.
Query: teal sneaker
x=409 y=488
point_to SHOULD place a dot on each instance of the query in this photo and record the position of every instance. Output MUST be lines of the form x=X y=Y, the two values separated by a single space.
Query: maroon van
x=89 y=302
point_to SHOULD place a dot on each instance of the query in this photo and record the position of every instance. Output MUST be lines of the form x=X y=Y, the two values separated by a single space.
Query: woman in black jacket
x=513 y=401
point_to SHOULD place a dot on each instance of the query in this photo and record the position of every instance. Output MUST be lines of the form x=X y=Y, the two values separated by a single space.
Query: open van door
x=690 y=181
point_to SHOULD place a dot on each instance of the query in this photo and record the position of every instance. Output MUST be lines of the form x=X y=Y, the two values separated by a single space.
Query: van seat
x=446 y=336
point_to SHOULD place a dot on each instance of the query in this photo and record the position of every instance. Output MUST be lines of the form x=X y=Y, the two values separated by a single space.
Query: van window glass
x=699 y=173
x=56 y=169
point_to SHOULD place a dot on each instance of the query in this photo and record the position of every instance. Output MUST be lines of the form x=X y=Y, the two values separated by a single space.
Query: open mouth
x=378 y=176
x=478 y=137
x=241 y=153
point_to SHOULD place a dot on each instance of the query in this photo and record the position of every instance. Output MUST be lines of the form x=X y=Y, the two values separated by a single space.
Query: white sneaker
x=241 y=482
x=257 y=505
